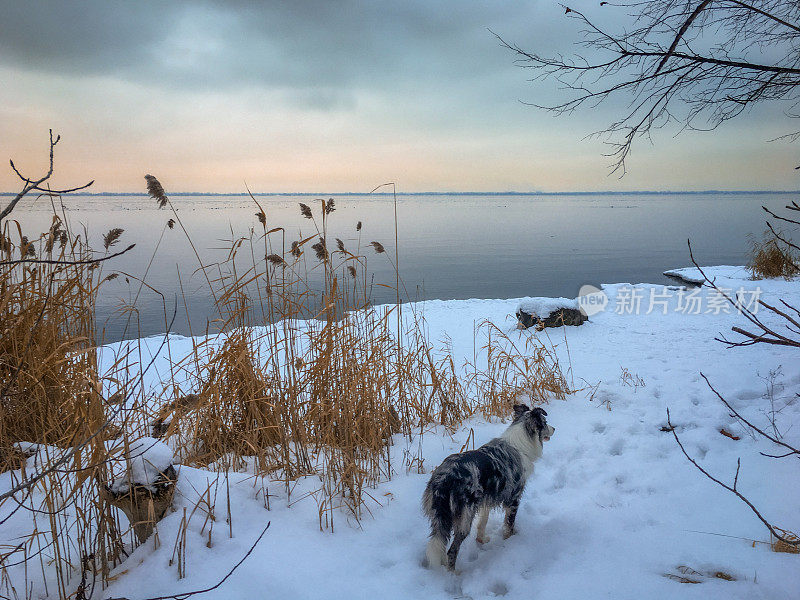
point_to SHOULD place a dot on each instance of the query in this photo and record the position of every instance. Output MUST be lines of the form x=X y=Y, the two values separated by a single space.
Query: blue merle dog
x=494 y=475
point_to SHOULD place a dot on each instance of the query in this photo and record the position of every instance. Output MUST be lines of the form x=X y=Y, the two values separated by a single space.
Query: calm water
x=449 y=246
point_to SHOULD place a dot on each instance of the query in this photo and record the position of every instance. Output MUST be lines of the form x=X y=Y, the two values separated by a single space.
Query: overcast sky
x=328 y=96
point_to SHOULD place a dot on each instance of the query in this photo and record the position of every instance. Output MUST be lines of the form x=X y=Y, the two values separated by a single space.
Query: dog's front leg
x=511 y=517
x=483 y=517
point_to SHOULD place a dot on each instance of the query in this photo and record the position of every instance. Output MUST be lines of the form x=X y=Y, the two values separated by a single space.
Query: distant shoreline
x=605 y=193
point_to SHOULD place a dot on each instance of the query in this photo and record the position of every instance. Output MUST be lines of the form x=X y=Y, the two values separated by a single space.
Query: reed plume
x=296 y=251
x=358 y=226
x=379 y=249
x=340 y=245
x=262 y=218
x=53 y=234
x=305 y=210
x=171 y=223
x=156 y=191
x=112 y=237
x=276 y=260
x=330 y=206
x=320 y=249
x=26 y=247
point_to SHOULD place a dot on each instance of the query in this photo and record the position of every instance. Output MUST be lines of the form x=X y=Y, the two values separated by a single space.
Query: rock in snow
x=549 y=312
x=142 y=484
x=143 y=465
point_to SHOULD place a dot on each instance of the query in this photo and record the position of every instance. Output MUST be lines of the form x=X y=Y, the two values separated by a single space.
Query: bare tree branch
x=184 y=595
x=735 y=413
x=767 y=335
x=695 y=63
x=732 y=489
x=35 y=184
x=43 y=261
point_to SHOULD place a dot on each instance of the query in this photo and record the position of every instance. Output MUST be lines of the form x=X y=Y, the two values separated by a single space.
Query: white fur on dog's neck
x=530 y=449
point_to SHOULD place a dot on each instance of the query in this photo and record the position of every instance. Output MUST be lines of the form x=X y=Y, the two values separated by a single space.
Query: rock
x=142 y=484
x=549 y=312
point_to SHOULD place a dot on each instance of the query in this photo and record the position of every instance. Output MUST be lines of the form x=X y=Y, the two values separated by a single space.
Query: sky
x=330 y=97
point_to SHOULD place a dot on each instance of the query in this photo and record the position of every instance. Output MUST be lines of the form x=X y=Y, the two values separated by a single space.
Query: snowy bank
x=613 y=510
x=693 y=276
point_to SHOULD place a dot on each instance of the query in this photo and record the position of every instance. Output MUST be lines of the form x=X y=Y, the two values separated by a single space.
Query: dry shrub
x=236 y=413
x=325 y=395
x=531 y=372
x=51 y=405
x=49 y=386
x=782 y=546
x=768 y=259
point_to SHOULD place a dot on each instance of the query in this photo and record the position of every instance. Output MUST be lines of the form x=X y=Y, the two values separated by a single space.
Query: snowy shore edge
x=613 y=509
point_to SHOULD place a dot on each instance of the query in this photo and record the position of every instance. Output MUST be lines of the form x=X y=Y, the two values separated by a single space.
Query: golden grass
x=782 y=546
x=770 y=259
x=51 y=404
x=685 y=574
x=326 y=396
x=49 y=386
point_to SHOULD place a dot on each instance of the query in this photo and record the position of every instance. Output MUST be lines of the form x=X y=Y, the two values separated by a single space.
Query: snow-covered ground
x=612 y=508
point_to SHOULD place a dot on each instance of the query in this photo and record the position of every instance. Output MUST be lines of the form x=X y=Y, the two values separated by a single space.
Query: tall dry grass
x=51 y=406
x=305 y=379
x=326 y=395
x=769 y=258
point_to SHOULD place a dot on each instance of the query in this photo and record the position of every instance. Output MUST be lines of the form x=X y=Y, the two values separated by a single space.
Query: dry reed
x=768 y=259
x=285 y=398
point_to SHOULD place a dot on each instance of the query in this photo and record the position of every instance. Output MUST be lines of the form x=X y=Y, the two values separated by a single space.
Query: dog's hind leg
x=436 y=552
x=462 y=526
x=483 y=517
x=511 y=517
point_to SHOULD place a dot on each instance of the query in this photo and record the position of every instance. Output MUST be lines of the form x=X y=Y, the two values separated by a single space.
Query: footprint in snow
x=617 y=447
x=498 y=588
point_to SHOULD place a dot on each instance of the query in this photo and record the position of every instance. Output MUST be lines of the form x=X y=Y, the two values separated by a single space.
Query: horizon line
x=440 y=193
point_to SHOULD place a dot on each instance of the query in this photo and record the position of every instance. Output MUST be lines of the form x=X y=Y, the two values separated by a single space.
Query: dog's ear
x=538 y=415
x=519 y=410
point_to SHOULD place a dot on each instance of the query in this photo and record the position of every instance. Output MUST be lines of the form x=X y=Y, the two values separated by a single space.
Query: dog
x=494 y=475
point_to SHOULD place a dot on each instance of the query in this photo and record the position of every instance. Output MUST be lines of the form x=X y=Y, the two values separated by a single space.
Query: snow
x=612 y=509
x=139 y=463
x=544 y=307
x=716 y=274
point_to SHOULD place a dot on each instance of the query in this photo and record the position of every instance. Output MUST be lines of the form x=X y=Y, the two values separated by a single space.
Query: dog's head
x=535 y=422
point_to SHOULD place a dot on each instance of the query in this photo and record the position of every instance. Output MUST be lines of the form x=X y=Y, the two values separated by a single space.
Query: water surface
x=450 y=246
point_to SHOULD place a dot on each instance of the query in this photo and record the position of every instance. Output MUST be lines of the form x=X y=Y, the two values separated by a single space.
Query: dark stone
x=144 y=507
x=557 y=318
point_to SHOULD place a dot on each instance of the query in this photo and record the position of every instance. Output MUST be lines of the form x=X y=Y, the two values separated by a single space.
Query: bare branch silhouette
x=695 y=64
x=35 y=184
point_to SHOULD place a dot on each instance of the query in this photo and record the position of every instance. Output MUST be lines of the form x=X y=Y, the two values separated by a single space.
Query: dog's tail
x=436 y=505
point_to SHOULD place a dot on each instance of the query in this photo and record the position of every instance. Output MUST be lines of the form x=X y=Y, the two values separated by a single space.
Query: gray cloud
x=303 y=45
x=336 y=83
